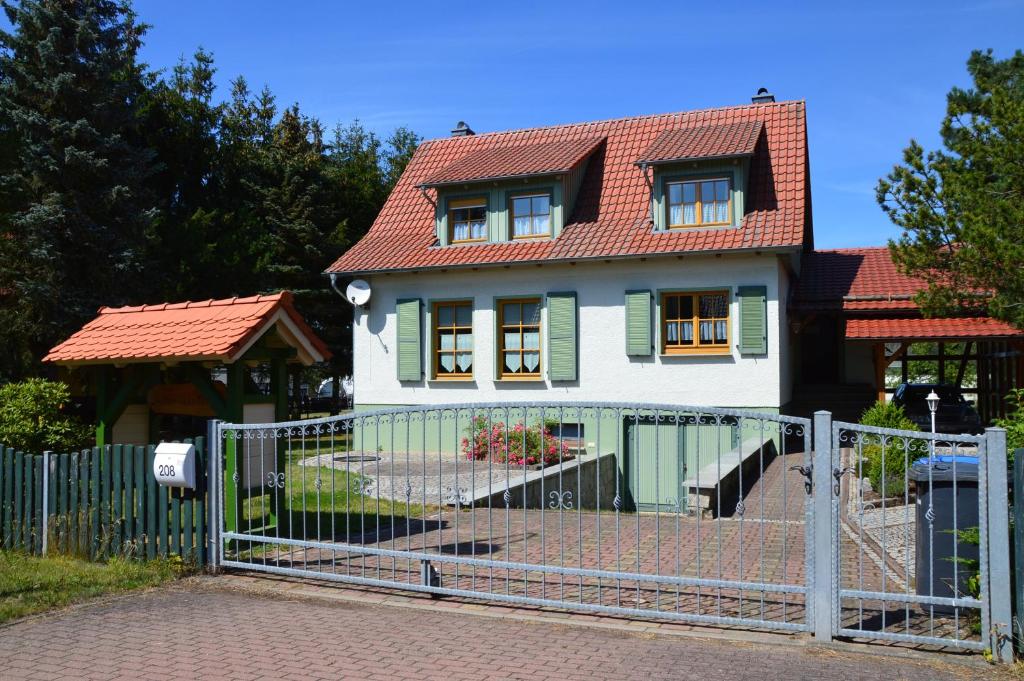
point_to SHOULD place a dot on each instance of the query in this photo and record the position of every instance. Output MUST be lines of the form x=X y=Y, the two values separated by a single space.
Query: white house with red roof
x=644 y=259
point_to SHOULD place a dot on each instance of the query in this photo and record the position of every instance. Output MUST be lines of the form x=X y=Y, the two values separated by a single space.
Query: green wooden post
x=106 y=497
x=116 y=516
x=200 y=501
x=139 y=495
x=19 y=493
x=37 y=505
x=64 y=507
x=162 y=511
x=128 y=473
x=96 y=507
x=175 y=498
x=26 y=511
x=73 y=485
x=8 y=497
x=83 y=530
x=151 y=508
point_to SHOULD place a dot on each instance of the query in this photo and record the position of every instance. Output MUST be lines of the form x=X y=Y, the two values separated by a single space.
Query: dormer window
x=531 y=216
x=468 y=220
x=704 y=202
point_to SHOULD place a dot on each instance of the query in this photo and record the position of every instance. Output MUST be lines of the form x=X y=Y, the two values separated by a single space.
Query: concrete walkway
x=210 y=628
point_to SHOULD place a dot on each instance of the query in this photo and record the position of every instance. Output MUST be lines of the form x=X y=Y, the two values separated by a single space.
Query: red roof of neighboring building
x=611 y=217
x=218 y=330
x=932 y=329
x=706 y=141
x=546 y=158
x=854 y=279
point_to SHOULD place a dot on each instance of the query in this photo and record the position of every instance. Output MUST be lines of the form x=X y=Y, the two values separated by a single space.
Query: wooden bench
x=720 y=479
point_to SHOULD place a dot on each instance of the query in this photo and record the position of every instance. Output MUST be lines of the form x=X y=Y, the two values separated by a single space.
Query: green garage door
x=658 y=457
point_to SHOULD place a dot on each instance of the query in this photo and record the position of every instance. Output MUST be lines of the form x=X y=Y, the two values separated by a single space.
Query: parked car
x=323 y=399
x=955 y=414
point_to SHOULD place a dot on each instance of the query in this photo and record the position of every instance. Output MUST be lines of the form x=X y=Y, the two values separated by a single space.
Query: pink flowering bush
x=518 y=445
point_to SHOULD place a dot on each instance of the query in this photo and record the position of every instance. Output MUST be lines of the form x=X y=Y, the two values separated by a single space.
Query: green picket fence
x=100 y=503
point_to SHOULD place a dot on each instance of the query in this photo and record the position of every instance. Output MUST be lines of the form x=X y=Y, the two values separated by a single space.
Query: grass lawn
x=334 y=512
x=31 y=584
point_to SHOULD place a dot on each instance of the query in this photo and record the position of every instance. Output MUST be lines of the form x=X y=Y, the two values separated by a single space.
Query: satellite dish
x=358 y=293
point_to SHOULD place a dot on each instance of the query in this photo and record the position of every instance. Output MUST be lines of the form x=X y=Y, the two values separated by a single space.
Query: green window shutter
x=410 y=354
x=562 y=354
x=638 y=323
x=753 y=320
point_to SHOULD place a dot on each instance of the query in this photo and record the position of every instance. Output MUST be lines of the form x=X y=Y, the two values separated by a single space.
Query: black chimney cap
x=762 y=96
x=462 y=130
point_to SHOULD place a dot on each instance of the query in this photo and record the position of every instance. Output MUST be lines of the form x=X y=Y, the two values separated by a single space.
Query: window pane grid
x=468 y=221
x=531 y=216
x=693 y=322
x=520 y=338
x=698 y=202
x=453 y=340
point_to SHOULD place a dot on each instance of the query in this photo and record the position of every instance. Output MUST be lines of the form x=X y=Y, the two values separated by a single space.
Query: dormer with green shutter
x=515 y=193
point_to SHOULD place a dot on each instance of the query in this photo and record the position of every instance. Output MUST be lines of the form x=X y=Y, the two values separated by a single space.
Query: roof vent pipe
x=763 y=96
x=462 y=130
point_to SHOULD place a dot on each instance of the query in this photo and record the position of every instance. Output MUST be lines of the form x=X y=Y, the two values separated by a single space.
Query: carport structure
x=190 y=359
x=854 y=317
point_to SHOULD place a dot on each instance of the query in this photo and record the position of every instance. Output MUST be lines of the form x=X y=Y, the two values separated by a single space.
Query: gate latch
x=805 y=471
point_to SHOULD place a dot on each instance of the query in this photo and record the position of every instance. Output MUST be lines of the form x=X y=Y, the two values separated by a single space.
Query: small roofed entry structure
x=224 y=359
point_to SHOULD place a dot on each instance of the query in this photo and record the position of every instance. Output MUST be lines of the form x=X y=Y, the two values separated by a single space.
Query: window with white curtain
x=531 y=216
x=695 y=322
x=468 y=220
x=693 y=203
x=453 y=340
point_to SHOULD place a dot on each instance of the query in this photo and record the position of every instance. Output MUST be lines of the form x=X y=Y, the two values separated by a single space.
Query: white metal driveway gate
x=695 y=514
x=919 y=539
x=680 y=513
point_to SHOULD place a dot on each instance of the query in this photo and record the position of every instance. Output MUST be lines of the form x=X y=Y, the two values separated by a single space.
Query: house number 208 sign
x=175 y=465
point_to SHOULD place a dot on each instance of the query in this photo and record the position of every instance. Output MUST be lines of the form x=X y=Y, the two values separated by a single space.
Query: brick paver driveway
x=201 y=630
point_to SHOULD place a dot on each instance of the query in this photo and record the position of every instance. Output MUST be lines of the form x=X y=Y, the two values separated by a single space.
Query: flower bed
x=519 y=445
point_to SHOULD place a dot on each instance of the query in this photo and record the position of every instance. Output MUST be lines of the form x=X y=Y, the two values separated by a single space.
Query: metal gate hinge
x=806 y=471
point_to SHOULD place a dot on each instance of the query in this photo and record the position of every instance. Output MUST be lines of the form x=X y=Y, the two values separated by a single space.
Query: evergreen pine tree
x=80 y=212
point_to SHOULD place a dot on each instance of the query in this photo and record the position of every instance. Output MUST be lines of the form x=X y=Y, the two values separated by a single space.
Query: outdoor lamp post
x=933 y=406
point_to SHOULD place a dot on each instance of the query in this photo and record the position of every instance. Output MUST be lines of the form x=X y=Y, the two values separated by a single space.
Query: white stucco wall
x=606 y=373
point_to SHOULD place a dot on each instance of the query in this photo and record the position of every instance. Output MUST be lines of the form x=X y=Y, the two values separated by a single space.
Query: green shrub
x=1014 y=421
x=886 y=415
x=32 y=417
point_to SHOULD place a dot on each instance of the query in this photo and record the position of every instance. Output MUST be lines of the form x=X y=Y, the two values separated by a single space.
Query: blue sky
x=873 y=74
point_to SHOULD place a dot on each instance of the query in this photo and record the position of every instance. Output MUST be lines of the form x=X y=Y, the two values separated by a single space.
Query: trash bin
x=935 y=566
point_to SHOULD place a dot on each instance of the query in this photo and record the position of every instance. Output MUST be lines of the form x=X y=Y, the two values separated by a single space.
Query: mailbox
x=175 y=465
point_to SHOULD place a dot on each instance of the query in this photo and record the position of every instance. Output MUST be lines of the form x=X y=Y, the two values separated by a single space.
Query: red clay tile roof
x=854 y=279
x=611 y=217
x=510 y=161
x=917 y=328
x=192 y=331
x=706 y=141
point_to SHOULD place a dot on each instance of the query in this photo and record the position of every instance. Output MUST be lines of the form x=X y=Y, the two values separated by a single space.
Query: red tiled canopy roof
x=546 y=158
x=611 y=216
x=931 y=329
x=219 y=330
x=706 y=141
x=854 y=279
